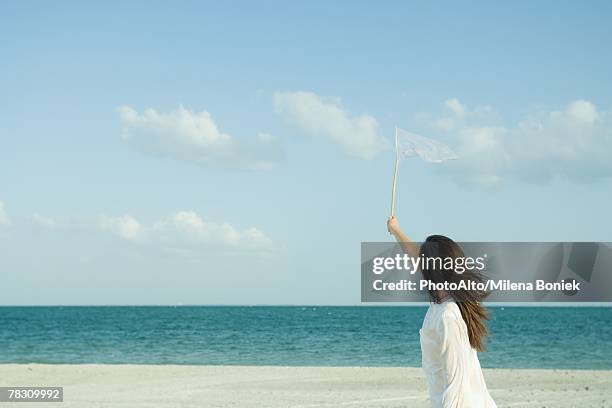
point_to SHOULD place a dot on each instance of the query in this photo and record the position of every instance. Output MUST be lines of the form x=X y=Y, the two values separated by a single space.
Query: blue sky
x=262 y=164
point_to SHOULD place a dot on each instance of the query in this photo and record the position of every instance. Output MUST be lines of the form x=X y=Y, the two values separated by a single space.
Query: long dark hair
x=473 y=312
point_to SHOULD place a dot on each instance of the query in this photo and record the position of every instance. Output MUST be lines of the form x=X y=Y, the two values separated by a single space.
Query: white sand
x=262 y=387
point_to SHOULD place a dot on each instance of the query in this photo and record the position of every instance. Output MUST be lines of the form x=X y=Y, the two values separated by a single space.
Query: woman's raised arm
x=404 y=240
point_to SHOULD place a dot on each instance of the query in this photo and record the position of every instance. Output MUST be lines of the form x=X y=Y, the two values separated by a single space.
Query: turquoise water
x=319 y=336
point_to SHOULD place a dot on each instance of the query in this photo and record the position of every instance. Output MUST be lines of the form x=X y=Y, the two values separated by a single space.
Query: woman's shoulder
x=448 y=310
x=440 y=318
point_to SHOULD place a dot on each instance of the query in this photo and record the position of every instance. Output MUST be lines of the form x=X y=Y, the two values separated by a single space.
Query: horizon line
x=364 y=304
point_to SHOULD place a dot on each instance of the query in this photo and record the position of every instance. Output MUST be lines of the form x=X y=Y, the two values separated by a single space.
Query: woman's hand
x=393 y=226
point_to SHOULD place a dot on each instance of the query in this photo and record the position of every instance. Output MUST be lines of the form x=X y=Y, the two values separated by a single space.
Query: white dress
x=450 y=363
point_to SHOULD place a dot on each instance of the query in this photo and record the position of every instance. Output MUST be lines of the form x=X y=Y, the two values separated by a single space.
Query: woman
x=453 y=331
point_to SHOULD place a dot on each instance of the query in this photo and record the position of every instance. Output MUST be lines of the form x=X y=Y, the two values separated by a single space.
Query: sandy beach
x=295 y=387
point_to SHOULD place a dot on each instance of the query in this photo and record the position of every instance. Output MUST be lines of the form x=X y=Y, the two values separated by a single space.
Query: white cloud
x=457 y=114
x=185 y=229
x=189 y=226
x=181 y=232
x=44 y=221
x=4 y=218
x=574 y=142
x=124 y=226
x=356 y=135
x=456 y=107
x=195 y=137
x=583 y=111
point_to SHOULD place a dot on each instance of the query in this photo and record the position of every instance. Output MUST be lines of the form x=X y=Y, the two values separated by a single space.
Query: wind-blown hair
x=473 y=312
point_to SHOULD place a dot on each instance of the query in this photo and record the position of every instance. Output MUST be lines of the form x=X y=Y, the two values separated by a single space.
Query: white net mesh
x=410 y=144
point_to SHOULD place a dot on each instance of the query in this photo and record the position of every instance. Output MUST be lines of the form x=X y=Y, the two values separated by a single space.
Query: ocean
x=521 y=337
